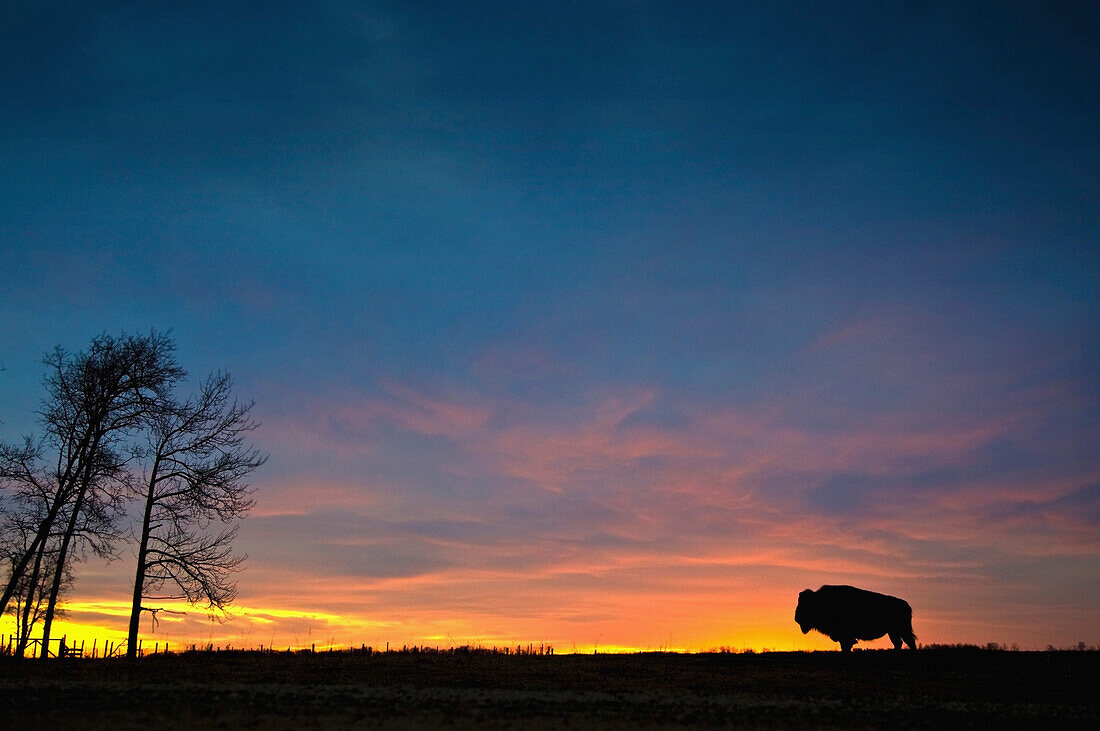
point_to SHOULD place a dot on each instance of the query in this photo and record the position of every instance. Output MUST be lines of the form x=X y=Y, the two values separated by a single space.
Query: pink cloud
x=417 y=412
x=860 y=331
x=301 y=495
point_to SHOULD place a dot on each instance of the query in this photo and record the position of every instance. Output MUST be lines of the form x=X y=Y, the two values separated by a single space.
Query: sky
x=608 y=325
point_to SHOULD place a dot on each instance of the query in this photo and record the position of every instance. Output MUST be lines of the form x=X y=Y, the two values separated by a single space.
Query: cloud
x=497 y=478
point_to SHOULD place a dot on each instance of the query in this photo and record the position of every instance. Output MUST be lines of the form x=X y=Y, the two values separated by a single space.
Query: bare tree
x=71 y=481
x=196 y=464
x=31 y=590
x=30 y=600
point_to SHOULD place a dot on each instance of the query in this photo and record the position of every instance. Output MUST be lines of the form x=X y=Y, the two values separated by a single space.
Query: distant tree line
x=115 y=435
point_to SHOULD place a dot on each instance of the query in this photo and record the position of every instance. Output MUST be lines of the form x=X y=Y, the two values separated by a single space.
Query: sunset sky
x=601 y=324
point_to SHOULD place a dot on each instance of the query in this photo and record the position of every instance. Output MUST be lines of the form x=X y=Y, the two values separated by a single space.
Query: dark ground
x=926 y=688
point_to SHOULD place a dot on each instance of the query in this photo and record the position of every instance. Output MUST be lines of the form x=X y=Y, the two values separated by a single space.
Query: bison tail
x=909 y=636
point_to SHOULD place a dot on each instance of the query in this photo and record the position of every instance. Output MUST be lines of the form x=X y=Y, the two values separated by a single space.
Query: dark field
x=925 y=688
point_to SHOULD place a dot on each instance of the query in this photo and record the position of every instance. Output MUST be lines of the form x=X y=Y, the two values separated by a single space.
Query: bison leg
x=896 y=639
x=846 y=645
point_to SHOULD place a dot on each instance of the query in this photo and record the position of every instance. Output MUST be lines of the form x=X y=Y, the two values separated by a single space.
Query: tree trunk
x=70 y=529
x=28 y=602
x=59 y=570
x=139 y=576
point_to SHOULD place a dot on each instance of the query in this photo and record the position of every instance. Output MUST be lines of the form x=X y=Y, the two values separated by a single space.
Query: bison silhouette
x=847 y=614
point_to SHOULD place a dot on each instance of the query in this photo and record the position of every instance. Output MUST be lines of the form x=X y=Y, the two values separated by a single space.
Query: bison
x=847 y=614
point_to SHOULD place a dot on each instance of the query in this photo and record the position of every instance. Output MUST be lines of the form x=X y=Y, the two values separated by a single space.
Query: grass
x=957 y=687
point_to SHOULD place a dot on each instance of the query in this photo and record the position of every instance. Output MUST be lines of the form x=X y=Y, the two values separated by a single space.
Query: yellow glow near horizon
x=95 y=623
x=77 y=627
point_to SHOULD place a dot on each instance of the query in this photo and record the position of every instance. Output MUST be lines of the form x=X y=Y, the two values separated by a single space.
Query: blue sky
x=793 y=267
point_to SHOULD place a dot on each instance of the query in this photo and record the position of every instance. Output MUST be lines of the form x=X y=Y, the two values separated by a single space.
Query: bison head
x=804 y=612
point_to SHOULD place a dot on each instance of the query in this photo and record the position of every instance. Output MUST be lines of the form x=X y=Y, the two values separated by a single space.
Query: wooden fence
x=108 y=648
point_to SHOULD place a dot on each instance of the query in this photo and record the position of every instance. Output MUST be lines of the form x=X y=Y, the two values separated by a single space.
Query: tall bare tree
x=193 y=490
x=72 y=479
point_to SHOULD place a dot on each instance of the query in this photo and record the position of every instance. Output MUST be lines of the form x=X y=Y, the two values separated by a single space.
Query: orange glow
x=99 y=622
